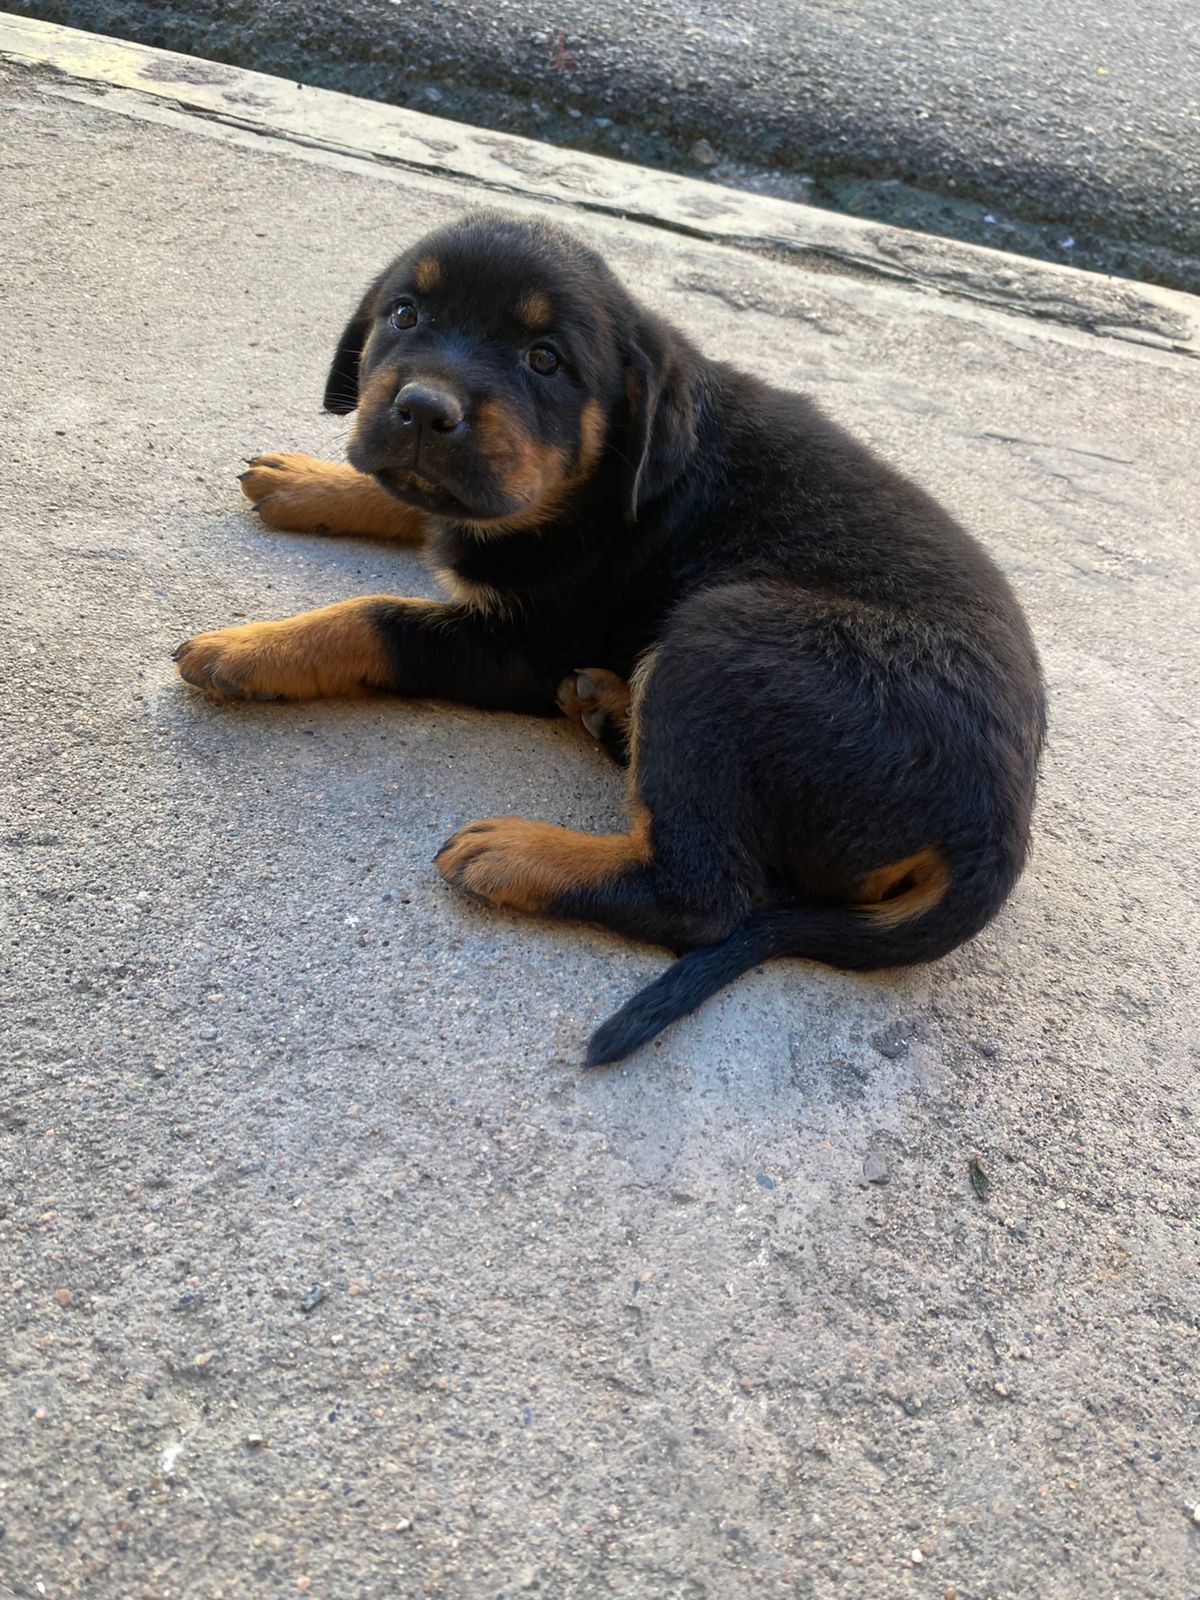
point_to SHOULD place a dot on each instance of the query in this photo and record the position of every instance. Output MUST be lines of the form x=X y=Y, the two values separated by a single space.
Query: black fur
x=835 y=676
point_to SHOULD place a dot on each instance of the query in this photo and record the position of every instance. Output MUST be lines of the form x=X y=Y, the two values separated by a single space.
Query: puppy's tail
x=880 y=935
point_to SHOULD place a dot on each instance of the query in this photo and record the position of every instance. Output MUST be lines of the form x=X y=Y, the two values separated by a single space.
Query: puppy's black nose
x=424 y=405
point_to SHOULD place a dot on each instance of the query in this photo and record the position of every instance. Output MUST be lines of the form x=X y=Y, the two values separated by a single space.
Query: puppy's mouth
x=415 y=489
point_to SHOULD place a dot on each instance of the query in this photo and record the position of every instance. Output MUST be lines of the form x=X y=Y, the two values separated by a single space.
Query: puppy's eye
x=542 y=359
x=403 y=315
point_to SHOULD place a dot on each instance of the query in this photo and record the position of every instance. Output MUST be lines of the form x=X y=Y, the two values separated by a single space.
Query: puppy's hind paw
x=598 y=700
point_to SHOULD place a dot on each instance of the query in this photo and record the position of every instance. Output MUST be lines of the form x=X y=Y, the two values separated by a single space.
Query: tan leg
x=305 y=495
x=535 y=866
x=337 y=651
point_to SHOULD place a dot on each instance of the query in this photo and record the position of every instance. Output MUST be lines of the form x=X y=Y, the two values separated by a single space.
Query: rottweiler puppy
x=824 y=692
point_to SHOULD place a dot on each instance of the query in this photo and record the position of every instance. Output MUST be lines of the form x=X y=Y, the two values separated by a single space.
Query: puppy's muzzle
x=426 y=408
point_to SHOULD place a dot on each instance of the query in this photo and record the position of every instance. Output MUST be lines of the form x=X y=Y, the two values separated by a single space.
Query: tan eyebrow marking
x=535 y=310
x=426 y=274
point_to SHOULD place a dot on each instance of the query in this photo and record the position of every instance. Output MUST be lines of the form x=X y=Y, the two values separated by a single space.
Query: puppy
x=824 y=692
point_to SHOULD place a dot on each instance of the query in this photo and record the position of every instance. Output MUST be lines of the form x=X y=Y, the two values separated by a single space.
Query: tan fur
x=528 y=470
x=330 y=653
x=529 y=866
x=427 y=274
x=536 y=311
x=594 y=689
x=592 y=433
x=921 y=880
x=306 y=495
x=479 y=596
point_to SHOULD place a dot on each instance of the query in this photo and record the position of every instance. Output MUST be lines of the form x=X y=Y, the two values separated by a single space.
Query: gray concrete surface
x=1068 y=131
x=325 y=1270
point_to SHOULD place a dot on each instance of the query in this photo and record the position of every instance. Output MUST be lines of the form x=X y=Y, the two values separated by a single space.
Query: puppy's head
x=498 y=368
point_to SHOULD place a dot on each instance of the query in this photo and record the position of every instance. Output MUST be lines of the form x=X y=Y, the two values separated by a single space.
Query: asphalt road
x=1067 y=131
x=325 y=1270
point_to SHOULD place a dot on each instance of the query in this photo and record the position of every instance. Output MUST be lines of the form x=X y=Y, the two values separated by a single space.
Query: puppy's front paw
x=307 y=495
x=337 y=650
x=291 y=491
x=241 y=663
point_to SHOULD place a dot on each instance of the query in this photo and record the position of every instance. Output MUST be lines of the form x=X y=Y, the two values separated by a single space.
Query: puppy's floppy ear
x=341 y=386
x=661 y=378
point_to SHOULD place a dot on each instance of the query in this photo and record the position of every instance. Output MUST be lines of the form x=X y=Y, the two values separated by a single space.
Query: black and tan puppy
x=825 y=692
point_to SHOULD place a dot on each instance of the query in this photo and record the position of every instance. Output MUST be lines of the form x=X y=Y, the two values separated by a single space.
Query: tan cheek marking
x=375 y=394
x=426 y=274
x=528 y=471
x=537 y=473
x=592 y=431
x=531 y=866
x=535 y=310
x=922 y=880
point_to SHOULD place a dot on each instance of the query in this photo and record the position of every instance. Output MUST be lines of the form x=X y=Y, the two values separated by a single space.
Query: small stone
x=208 y=1034
x=1196 y=1513
x=894 y=1041
x=1001 y=1389
x=704 y=153
x=527 y=1578
x=203 y=1360
x=916 y=1557
x=875 y=1168
x=764 y=1180
x=255 y=1441
x=312 y=1299
x=74 y=1518
x=63 y=1297
x=404 y=1525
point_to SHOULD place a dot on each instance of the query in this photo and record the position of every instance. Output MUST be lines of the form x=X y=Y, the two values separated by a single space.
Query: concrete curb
x=1144 y=314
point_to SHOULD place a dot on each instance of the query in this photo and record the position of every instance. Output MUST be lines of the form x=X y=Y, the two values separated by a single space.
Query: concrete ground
x=324 y=1268
x=1070 y=132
